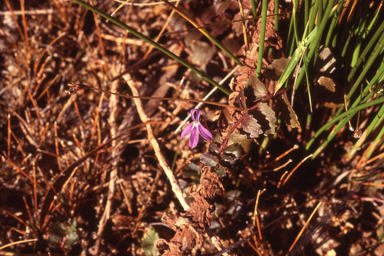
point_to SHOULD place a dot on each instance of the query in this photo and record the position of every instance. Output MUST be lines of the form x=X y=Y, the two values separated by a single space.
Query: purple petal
x=187 y=130
x=198 y=112
x=194 y=138
x=207 y=135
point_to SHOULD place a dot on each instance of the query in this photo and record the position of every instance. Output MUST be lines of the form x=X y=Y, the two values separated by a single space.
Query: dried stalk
x=175 y=186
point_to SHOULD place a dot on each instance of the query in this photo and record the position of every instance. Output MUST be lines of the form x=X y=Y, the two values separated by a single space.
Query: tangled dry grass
x=84 y=172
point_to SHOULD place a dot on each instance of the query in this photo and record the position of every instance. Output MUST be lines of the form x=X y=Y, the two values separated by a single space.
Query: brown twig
x=175 y=186
x=113 y=101
x=302 y=230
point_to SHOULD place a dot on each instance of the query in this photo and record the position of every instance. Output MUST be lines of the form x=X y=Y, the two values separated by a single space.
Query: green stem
x=157 y=98
x=314 y=45
x=254 y=7
x=352 y=111
x=262 y=36
x=157 y=46
x=369 y=63
x=276 y=15
x=205 y=32
x=371 y=42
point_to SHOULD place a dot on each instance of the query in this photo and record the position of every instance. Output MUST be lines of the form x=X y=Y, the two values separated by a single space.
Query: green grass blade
x=332 y=135
x=306 y=11
x=254 y=7
x=376 y=143
x=371 y=42
x=312 y=15
x=157 y=46
x=295 y=59
x=368 y=65
x=290 y=50
x=350 y=112
x=262 y=36
x=204 y=32
x=373 y=22
x=359 y=34
x=376 y=123
x=316 y=42
x=276 y=15
x=332 y=27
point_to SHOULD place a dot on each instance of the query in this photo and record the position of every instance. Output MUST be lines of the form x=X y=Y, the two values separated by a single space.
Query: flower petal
x=197 y=117
x=207 y=135
x=187 y=130
x=194 y=138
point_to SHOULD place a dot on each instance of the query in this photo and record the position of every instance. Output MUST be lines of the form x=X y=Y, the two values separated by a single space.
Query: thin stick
x=27 y=207
x=28 y=50
x=251 y=245
x=257 y=214
x=57 y=147
x=162 y=31
x=282 y=166
x=118 y=8
x=282 y=155
x=9 y=136
x=126 y=198
x=42 y=54
x=14 y=17
x=15 y=217
x=113 y=103
x=18 y=242
x=281 y=179
x=243 y=23
x=144 y=4
x=302 y=230
x=302 y=161
x=83 y=86
x=207 y=96
x=257 y=222
x=18 y=143
x=96 y=118
x=37 y=111
x=373 y=184
x=175 y=186
x=370 y=160
x=22 y=172
x=100 y=43
x=34 y=187
x=29 y=12
x=62 y=14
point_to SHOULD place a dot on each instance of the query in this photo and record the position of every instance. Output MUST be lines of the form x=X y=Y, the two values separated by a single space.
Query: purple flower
x=194 y=128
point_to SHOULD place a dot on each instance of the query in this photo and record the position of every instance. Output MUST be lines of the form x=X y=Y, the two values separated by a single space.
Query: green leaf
x=276 y=69
x=202 y=53
x=218 y=138
x=238 y=26
x=221 y=7
x=221 y=170
x=258 y=87
x=327 y=61
x=228 y=159
x=328 y=93
x=214 y=148
x=71 y=239
x=227 y=115
x=231 y=195
x=149 y=239
x=234 y=149
x=270 y=116
x=242 y=140
x=287 y=112
x=63 y=235
x=250 y=125
x=209 y=160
